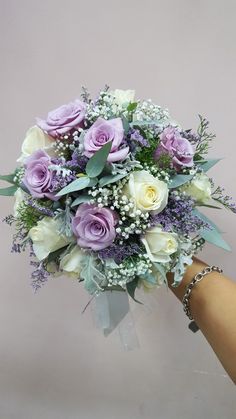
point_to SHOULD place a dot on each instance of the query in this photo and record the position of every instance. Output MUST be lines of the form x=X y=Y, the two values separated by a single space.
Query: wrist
x=190 y=272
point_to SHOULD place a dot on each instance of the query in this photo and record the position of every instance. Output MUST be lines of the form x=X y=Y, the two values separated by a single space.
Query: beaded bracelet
x=197 y=278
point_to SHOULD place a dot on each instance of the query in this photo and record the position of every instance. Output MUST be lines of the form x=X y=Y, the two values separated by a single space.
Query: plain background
x=54 y=363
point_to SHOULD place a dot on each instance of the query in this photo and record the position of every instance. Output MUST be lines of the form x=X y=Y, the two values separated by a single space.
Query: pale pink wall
x=53 y=363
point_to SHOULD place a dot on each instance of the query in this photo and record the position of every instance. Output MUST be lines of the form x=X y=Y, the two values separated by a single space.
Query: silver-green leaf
x=8 y=178
x=179 y=180
x=106 y=180
x=81 y=199
x=76 y=185
x=209 y=164
x=97 y=162
x=10 y=191
x=212 y=236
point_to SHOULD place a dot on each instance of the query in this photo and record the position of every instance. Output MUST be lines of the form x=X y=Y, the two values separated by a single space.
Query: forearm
x=213 y=307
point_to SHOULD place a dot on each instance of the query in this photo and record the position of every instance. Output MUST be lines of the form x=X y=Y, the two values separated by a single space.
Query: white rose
x=160 y=244
x=123 y=96
x=148 y=192
x=71 y=262
x=45 y=237
x=35 y=139
x=19 y=198
x=199 y=188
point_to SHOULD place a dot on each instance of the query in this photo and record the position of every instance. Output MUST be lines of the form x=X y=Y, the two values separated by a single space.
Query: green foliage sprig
x=205 y=138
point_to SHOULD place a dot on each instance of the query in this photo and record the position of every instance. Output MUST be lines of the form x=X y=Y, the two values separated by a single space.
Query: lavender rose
x=63 y=119
x=94 y=227
x=102 y=132
x=38 y=178
x=179 y=148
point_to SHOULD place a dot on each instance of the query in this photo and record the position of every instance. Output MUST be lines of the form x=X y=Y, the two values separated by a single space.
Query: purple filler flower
x=94 y=227
x=179 y=148
x=38 y=178
x=102 y=132
x=63 y=119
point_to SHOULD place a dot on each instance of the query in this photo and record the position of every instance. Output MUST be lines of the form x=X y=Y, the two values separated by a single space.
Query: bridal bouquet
x=109 y=192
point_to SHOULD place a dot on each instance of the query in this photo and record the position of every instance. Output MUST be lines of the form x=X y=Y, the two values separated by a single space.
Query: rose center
x=151 y=194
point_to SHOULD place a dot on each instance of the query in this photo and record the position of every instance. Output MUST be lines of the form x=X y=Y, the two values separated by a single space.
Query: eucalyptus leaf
x=145 y=123
x=76 y=185
x=93 y=181
x=199 y=161
x=98 y=161
x=208 y=206
x=106 y=180
x=179 y=180
x=8 y=178
x=204 y=218
x=81 y=199
x=209 y=164
x=126 y=124
x=10 y=191
x=131 y=287
x=212 y=236
x=24 y=188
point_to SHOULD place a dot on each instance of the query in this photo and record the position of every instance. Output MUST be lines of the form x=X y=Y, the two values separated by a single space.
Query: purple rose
x=63 y=119
x=179 y=148
x=38 y=178
x=102 y=132
x=94 y=227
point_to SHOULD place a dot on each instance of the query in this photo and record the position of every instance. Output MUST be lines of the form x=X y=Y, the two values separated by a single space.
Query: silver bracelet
x=197 y=278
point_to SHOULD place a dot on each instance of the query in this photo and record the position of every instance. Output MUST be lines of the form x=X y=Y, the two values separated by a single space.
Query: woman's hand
x=213 y=307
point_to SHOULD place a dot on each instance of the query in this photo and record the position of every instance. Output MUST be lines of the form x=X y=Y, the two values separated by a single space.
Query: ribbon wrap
x=111 y=311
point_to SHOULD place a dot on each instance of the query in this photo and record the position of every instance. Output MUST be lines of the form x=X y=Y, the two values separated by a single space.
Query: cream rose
x=45 y=237
x=71 y=262
x=147 y=192
x=123 y=96
x=35 y=139
x=160 y=244
x=199 y=188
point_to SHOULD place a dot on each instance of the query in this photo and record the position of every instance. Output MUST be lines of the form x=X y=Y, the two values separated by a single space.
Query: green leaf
x=8 y=191
x=209 y=164
x=132 y=106
x=125 y=124
x=208 y=206
x=179 y=180
x=76 y=185
x=204 y=218
x=80 y=200
x=24 y=188
x=144 y=123
x=55 y=255
x=93 y=182
x=111 y=179
x=8 y=178
x=97 y=162
x=212 y=236
x=131 y=287
x=199 y=160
